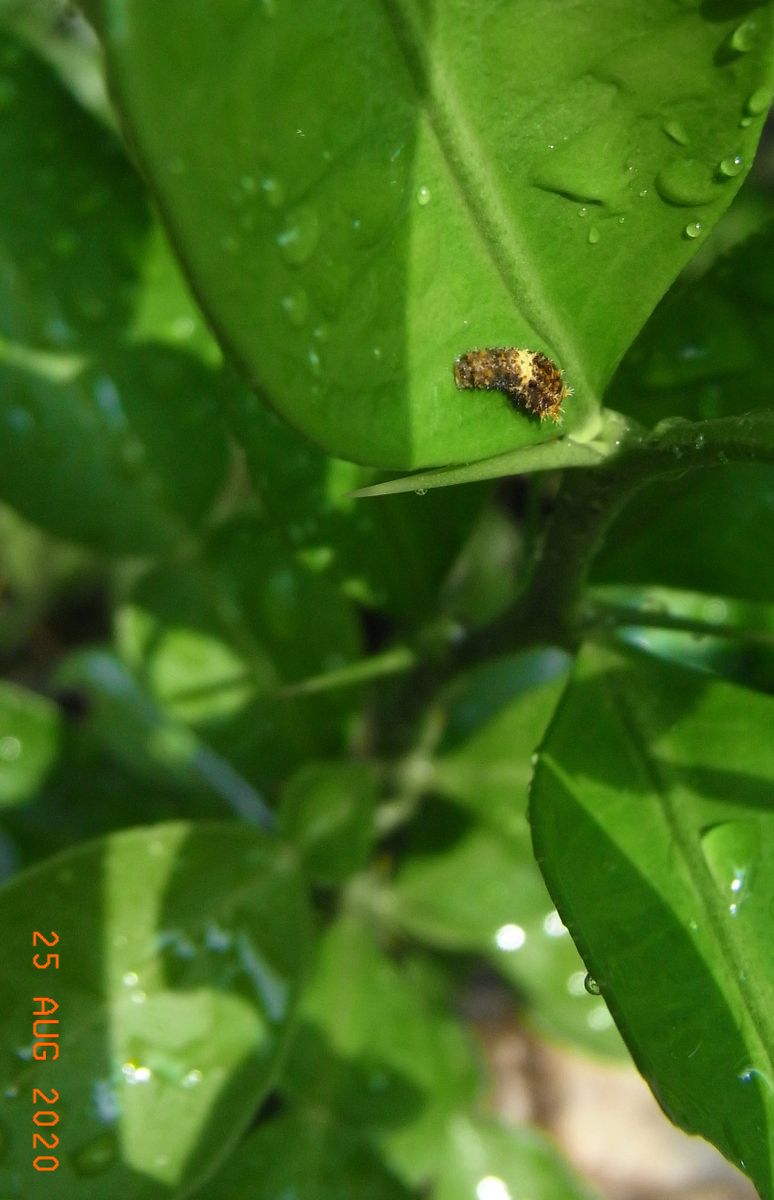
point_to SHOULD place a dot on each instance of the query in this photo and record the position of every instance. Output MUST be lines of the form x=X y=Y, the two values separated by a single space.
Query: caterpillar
x=530 y=380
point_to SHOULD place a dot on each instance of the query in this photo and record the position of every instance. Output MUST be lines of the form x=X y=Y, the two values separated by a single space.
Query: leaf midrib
x=493 y=219
x=699 y=874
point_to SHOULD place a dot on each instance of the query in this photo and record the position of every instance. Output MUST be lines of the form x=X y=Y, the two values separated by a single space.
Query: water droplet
x=10 y=748
x=591 y=986
x=744 y=36
x=594 y=236
x=298 y=239
x=693 y=230
x=20 y=420
x=685 y=182
x=134 y=1074
x=731 y=850
x=272 y=191
x=248 y=184
x=420 y=492
x=314 y=360
x=729 y=167
x=377 y=352
x=105 y=1100
x=130 y=979
x=759 y=102
x=510 y=937
x=424 y=196
x=583 y=211
x=96 y=1156
x=751 y=1074
x=295 y=305
x=192 y=1078
x=676 y=132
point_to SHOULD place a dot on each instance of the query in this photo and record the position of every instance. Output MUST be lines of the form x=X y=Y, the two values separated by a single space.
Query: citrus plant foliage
x=295 y=736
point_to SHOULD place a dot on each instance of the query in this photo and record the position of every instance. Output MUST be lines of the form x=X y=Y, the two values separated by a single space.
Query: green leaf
x=494 y=1162
x=157 y=750
x=368 y=193
x=730 y=638
x=214 y=642
x=94 y=406
x=710 y=531
x=29 y=742
x=467 y=880
x=327 y=812
x=334 y=1164
x=653 y=823
x=377 y=1051
x=390 y=556
x=179 y=950
x=706 y=351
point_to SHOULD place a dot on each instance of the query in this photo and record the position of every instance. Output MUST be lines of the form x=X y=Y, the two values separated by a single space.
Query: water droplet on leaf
x=731 y=850
x=298 y=239
x=591 y=986
x=729 y=167
x=693 y=230
x=758 y=102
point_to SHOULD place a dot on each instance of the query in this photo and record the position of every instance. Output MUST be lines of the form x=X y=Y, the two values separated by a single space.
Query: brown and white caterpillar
x=529 y=379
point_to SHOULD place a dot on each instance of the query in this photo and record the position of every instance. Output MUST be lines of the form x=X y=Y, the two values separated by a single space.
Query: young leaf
x=654 y=826
x=368 y=192
x=179 y=949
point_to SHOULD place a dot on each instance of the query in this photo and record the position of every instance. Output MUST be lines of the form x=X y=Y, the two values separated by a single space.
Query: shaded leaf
x=327 y=812
x=334 y=1163
x=377 y=1050
x=95 y=405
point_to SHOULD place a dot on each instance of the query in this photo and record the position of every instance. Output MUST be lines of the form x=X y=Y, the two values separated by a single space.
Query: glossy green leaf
x=494 y=1162
x=376 y=1050
x=369 y=192
x=467 y=880
x=327 y=812
x=730 y=638
x=653 y=822
x=180 y=948
x=96 y=402
x=29 y=740
x=297 y=1156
